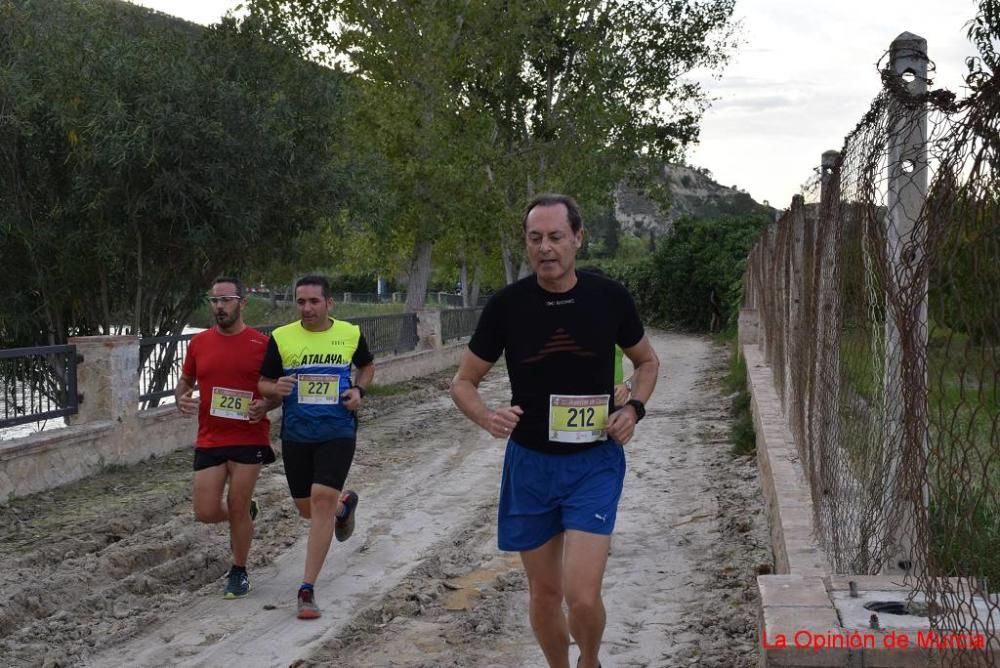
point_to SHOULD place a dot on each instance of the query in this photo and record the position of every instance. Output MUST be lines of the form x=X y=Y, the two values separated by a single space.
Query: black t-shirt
x=556 y=343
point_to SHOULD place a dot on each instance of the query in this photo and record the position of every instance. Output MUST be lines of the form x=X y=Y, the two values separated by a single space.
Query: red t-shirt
x=232 y=364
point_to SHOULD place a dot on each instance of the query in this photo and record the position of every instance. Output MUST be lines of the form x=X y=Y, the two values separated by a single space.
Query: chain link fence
x=879 y=304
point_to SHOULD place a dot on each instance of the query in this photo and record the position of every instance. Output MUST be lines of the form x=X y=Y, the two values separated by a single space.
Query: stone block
x=793 y=591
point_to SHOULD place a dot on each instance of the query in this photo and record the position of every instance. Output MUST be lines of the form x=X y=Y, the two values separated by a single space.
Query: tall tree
x=491 y=101
x=406 y=57
x=582 y=93
x=140 y=156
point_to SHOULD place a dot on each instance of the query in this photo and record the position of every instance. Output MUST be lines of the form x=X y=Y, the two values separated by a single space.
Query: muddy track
x=92 y=564
x=114 y=571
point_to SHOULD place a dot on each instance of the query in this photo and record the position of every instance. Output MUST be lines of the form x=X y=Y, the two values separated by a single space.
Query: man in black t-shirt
x=565 y=465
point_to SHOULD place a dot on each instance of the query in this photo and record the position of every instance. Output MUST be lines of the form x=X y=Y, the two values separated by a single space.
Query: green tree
x=405 y=58
x=477 y=105
x=141 y=156
x=582 y=94
x=696 y=272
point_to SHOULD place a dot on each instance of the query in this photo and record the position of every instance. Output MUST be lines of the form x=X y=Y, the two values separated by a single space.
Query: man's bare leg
x=584 y=559
x=206 y=494
x=324 y=502
x=242 y=480
x=543 y=567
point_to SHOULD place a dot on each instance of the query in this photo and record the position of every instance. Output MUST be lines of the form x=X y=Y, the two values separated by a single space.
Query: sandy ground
x=113 y=571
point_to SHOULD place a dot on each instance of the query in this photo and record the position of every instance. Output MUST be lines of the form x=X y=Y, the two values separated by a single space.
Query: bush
x=694 y=279
x=742 y=434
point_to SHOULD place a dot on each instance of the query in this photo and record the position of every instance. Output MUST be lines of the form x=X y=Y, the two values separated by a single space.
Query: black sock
x=238 y=569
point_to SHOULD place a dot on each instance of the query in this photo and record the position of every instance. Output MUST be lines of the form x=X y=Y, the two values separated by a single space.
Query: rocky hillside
x=692 y=193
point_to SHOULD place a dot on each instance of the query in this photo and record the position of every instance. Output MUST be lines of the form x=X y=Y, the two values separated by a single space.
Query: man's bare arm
x=647 y=368
x=276 y=389
x=362 y=378
x=621 y=424
x=465 y=393
x=183 y=396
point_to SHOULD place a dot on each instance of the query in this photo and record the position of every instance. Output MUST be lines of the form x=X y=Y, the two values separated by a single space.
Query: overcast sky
x=802 y=79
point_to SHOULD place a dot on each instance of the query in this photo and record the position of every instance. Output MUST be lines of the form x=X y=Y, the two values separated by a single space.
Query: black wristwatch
x=360 y=390
x=638 y=407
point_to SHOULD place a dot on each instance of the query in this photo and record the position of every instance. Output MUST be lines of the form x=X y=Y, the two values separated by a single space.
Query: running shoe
x=344 y=526
x=254 y=509
x=307 y=604
x=237 y=585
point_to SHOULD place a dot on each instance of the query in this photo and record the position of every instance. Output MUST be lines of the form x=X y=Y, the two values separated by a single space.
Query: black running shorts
x=324 y=463
x=241 y=454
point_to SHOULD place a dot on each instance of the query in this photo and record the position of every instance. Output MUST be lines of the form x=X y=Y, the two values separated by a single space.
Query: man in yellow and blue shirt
x=308 y=365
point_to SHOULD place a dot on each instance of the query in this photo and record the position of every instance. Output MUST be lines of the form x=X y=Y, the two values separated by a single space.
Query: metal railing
x=392 y=333
x=161 y=357
x=445 y=299
x=362 y=298
x=451 y=300
x=459 y=322
x=160 y=362
x=38 y=384
x=395 y=333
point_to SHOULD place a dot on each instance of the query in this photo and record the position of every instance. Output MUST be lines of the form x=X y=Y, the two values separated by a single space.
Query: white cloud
x=805 y=76
x=204 y=12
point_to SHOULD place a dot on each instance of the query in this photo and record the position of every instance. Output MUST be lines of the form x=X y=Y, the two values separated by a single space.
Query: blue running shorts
x=542 y=495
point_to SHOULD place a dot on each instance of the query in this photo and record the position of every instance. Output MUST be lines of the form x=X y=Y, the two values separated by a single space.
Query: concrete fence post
x=765 y=307
x=107 y=378
x=825 y=401
x=905 y=456
x=795 y=342
x=790 y=279
x=429 y=329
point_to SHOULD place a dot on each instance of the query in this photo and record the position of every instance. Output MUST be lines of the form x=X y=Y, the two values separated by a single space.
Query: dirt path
x=113 y=571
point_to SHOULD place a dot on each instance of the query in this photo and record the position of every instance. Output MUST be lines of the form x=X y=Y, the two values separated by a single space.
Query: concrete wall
x=786 y=494
x=109 y=428
x=807 y=615
x=419 y=363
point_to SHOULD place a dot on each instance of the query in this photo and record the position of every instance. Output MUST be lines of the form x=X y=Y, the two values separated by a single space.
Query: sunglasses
x=215 y=301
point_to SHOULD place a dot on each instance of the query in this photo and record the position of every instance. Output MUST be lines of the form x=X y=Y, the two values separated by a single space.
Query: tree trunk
x=474 y=292
x=508 y=262
x=137 y=314
x=463 y=281
x=523 y=270
x=420 y=274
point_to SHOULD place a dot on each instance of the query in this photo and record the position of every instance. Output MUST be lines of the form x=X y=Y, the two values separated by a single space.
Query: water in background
x=21 y=430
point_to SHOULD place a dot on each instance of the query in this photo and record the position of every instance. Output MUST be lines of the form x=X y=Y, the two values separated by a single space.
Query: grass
x=966 y=533
x=742 y=434
x=387 y=390
x=963 y=440
x=258 y=312
x=857 y=362
x=963 y=405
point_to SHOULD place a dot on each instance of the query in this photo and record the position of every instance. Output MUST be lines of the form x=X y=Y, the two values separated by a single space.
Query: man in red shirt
x=233 y=430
